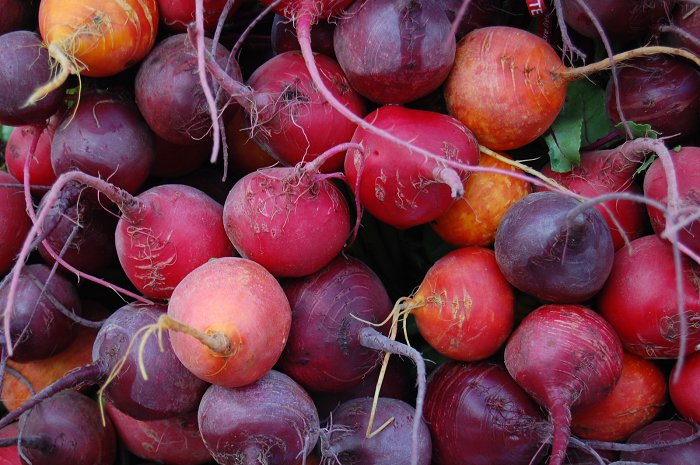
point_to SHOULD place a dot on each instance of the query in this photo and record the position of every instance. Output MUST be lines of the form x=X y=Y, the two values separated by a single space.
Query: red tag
x=536 y=7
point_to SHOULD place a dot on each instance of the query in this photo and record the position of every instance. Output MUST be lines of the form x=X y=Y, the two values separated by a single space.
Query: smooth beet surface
x=545 y=254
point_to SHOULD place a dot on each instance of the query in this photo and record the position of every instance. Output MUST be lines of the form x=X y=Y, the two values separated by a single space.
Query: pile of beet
x=349 y=232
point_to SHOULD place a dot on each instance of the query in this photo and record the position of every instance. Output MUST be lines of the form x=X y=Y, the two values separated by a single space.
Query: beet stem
x=199 y=20
x=12 y=372
x=371 y=338
x=32 y=442
x=639 y=447
x=572 y=74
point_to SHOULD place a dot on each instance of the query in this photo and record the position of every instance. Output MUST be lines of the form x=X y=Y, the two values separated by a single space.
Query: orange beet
x=505 y=86
x=105 y=36
x=240 y=300
x=637 y=398
x=474 y=218
x=465 y=308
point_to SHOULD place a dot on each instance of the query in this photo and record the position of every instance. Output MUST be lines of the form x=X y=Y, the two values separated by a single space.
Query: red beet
x=284 y=37
x=566 y=357
x=641 y=302
x=545 y=252
x=344 y=438
x=301 y=124
x=622 y=21
x=175 y=440
x=83 y=233
x=14 y=221
x=403 y=188
x=478 y=415
x=661 y=432
x=106 y=137
x=292 y=221
x=661 y=91
x=686 y=163
x=18 y=145
x=154 y=248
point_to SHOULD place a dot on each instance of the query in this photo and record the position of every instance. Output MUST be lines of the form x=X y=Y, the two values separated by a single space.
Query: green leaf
x=564 y=141
x=5 y=132
x=639 y=130
x=646 y=164
x=581 y=122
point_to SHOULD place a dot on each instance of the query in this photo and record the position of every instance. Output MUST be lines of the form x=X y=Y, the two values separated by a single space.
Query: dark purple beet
x=170 y=390
x=663 y=431
x=480 y=13
x=105 y=137
x=478 y=415
x=345 y=436
x=684 y=28
x=92 y=246
x=660 y=91
x=48 y=331
x=621 y=20
x=72 y=425
x=284 y=36
x=547 y=255
x=323 y=352
x=24 y=66
x=169 y=94
x=388 y=53
x=272 y=420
